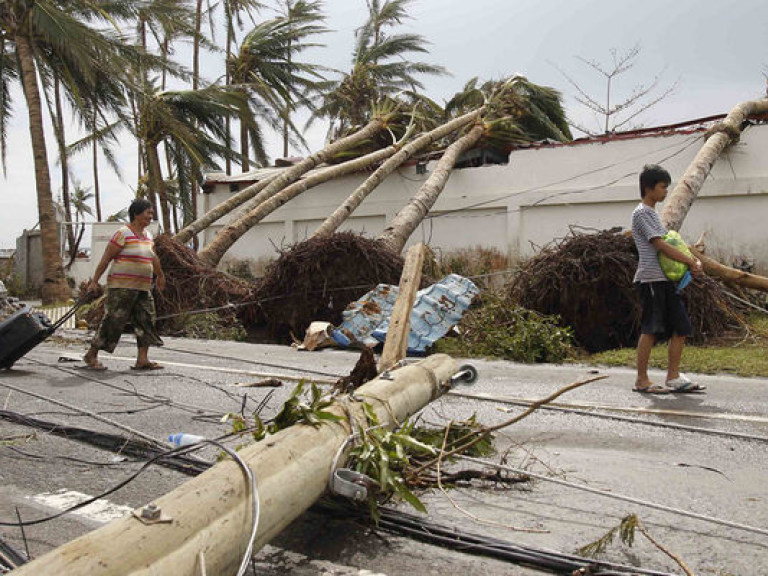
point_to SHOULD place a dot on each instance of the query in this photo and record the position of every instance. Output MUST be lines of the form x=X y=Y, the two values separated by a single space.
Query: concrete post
x=212 y=513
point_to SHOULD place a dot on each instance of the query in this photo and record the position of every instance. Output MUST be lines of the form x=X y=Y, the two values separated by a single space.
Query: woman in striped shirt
x=129 y=289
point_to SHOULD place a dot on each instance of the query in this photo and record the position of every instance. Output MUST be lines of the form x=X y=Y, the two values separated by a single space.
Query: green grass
x=746 y=358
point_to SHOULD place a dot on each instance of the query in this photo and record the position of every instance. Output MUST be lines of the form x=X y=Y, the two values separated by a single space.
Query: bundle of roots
x=586 y=279
x=192 y=286
x=316 y=280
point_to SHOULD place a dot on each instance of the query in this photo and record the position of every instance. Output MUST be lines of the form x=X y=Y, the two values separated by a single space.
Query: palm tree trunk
x=679 y=202
x=332 y=223
x=55 y=286
x=195 y=85
x=730 y=275
x=231 y=233
x=192 y=230
x=227 y=120
x=408 y=219
x=245 y=165
x=96 y=182
x=157 y=186
x=196 y=45
x=266 y=208
x=61 y=140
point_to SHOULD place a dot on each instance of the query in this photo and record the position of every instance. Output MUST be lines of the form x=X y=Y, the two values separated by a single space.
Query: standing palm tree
x=80 y=198
x=233 y=18
x=55 y=32
x=309 y=17
x=266 y=66
x=380 y=67
x=192 y=121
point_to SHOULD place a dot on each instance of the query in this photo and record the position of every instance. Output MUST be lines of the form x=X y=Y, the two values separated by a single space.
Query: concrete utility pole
x=211 y=514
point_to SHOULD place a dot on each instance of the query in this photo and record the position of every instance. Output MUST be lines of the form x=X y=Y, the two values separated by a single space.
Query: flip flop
x=653 y=389
x=149 y=366
x=684 y=385
x=688 y=388
x=98 y=367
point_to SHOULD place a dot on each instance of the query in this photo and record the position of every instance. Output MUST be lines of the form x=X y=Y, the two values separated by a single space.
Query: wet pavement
x=705 y=453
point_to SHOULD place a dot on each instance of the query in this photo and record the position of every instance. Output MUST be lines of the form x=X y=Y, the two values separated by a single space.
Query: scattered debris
x=268 y=383
x=626 y=531
x=318 y=336
x=364 y=371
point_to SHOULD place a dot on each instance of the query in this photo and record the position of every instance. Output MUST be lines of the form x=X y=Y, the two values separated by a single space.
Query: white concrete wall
x=540 y=194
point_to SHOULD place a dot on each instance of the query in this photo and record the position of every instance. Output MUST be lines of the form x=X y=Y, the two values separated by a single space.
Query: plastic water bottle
x=184 y=439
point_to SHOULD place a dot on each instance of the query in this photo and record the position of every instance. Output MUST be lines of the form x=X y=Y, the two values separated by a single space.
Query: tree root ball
x=317 y=279
x=586 y=279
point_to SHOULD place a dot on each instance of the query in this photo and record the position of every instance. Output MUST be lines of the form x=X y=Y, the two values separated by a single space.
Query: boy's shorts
x=664 y=313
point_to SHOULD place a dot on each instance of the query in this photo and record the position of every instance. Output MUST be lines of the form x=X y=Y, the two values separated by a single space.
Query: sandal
x=684 y=385
x=148 y=366
x=652 y=389
x=96 y=366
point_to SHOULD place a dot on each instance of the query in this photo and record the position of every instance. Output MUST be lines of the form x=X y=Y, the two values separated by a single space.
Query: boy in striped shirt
x=663 y=311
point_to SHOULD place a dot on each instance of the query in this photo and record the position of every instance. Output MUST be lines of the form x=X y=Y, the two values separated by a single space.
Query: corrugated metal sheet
x=435 y=311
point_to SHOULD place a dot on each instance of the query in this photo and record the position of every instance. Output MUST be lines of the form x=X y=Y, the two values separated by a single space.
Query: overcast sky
x=717 y=52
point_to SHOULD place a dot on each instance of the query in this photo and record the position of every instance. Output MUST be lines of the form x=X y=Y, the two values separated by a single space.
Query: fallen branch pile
x=317 y=279
x=193 y=286
x=190 y=286
x=586 y=279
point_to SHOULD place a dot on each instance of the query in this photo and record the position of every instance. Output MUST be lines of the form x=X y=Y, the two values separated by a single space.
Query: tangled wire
x=586 y=279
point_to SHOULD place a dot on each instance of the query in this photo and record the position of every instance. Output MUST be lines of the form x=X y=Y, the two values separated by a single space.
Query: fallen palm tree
x=687 y=189
x=332 y=223
x=231 y=233
x=260 y=211
x=586 y=279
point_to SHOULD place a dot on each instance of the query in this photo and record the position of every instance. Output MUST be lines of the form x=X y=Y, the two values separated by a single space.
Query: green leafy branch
x=626 y=531
x=302 y=407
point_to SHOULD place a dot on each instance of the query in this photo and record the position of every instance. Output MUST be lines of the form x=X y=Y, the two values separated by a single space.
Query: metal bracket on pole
x=351 y=484
x=152 y=514
x=467 y=374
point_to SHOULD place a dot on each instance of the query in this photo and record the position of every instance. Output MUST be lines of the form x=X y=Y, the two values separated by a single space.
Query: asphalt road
x=706 y=454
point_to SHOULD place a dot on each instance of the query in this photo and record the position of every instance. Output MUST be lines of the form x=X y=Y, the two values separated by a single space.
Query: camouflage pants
x=121 y=306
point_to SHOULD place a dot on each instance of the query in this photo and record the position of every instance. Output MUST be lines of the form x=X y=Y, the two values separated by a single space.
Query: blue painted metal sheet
x=435 y=311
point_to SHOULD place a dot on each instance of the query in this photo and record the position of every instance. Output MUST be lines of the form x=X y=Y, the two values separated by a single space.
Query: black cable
x=93 y=499
x=415 y=527
x=9 y=557
x=112 y=442
x=564 y=181
x=253 y=362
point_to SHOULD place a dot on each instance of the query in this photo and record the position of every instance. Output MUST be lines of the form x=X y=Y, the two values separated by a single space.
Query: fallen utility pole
x=211 y=514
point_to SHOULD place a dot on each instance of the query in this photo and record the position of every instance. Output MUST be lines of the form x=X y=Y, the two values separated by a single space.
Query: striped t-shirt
x=646 y=225
x=132 y=267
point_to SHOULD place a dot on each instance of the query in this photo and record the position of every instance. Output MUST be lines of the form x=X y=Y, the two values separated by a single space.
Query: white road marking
x=315 y=379
x=101 y=510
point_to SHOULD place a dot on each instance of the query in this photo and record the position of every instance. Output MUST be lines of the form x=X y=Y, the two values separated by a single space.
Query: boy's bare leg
x=676 y=345
x=644 y=346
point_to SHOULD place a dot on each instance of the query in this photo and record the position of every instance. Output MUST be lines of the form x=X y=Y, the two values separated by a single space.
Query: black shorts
x=664 y=313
